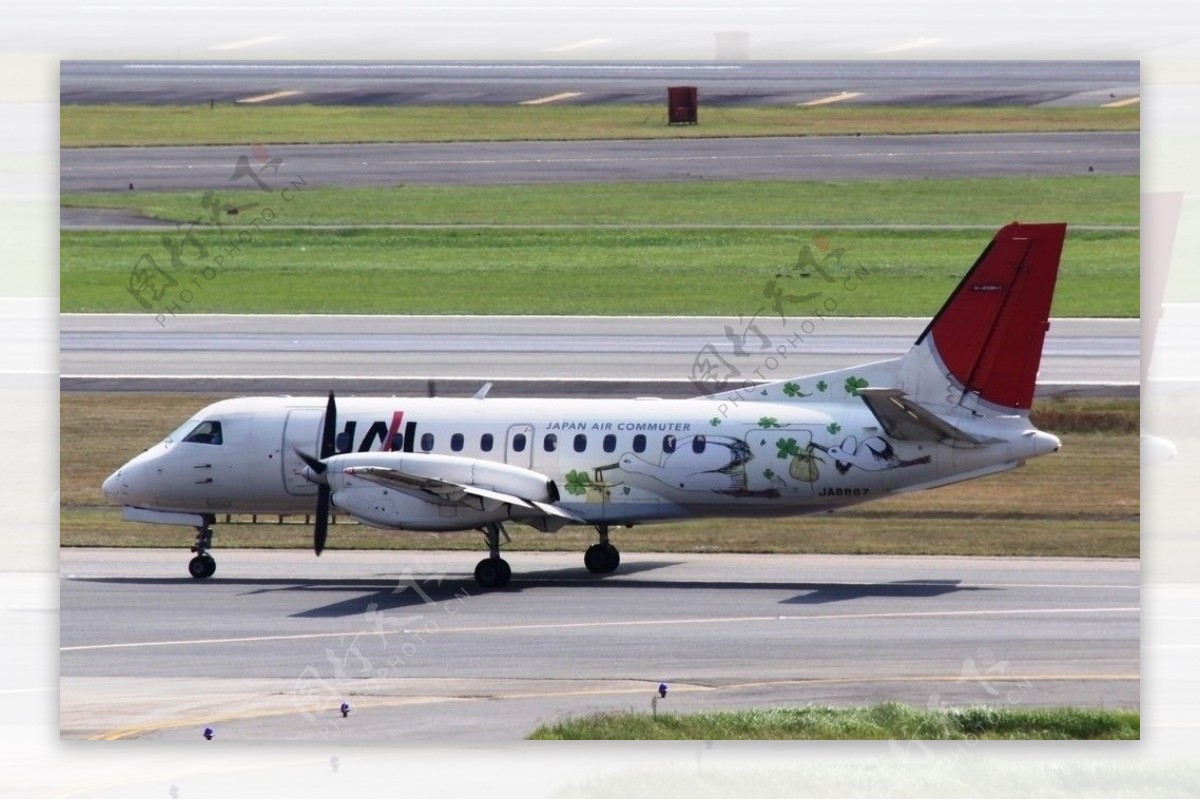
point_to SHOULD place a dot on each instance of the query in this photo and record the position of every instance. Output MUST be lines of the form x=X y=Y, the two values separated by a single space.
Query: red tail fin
x=989 y=334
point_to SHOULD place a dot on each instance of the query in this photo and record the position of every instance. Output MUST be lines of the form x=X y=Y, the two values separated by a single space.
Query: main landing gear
x=203 y=565
x=493 y=572
x=602 y=557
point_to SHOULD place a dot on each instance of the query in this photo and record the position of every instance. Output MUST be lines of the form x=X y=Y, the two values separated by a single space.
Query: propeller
x=318 y=467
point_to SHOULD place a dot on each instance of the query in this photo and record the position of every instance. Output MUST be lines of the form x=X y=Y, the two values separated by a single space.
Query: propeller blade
x=315 y=464
x=321 y=528
x=329 y=431
x=328 y=447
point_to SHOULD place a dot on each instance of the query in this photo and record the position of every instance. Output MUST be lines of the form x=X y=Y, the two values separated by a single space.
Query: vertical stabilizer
x=988 y=336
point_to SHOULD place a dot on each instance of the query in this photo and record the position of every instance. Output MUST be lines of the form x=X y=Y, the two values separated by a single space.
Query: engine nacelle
x=411 y=508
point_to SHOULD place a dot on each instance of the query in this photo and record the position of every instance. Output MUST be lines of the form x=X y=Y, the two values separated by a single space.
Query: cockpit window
x=207 y=432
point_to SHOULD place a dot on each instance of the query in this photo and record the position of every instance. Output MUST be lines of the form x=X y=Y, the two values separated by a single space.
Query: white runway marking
x=607 y=624
x=1128 y=101
x=262 y=98
x=833 y=98
x=554 y=98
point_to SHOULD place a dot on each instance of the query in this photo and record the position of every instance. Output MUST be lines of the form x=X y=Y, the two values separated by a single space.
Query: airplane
x=954 y=407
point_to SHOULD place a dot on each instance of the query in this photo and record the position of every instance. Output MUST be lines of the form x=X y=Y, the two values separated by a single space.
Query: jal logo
x=379 y=435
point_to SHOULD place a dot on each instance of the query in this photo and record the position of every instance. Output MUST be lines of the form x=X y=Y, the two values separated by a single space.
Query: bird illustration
x=873 y=454
x=712 y=464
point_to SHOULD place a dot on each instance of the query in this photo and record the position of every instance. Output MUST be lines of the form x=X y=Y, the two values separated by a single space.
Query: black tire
x=601 y=559
x=492 y=573
x=202 y=567
x=596 y=559
x=612 y=558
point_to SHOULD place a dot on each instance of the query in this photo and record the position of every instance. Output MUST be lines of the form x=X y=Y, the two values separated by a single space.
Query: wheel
x=595 y=559
x=612 y=558
x=492 y=573
x=202 y=566
x=602 y=559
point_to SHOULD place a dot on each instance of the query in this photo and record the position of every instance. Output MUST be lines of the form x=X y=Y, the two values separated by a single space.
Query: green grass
x=1084 y=200
x=1082 y=501
x=127 y=125
x=882 y=721
x=585 y=271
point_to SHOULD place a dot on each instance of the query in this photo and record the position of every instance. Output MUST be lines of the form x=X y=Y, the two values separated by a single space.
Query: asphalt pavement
x=271 y=646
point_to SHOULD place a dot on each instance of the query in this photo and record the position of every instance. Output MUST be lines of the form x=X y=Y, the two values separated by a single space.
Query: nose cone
x=114 y=487
x=134 y=482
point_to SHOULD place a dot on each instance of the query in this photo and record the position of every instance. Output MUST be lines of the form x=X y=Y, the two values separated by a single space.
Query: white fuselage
x=613 y=461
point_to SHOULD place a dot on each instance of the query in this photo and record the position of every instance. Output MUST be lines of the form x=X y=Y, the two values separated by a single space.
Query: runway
x=653 y=355
x=491 y=163
x=271 y=646
x=721 y=85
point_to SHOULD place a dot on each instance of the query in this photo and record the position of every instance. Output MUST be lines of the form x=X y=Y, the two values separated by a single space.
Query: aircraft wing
x=451 y=492
x=903 y=418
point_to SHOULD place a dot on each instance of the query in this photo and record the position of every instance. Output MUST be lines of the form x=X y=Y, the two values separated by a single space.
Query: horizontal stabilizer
x=904 y=419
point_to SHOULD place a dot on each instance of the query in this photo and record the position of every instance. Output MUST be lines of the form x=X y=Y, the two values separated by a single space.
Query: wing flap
x=445 y=491
x=554 y=511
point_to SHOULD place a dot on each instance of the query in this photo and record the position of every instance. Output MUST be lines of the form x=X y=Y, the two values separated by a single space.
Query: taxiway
x=270 y=647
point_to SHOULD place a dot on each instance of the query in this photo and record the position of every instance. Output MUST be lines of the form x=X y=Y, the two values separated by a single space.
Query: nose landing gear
x=203 y=565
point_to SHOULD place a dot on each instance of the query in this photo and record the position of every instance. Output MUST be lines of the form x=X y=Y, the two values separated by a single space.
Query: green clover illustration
x=853 y=384
x=768 y=422
x=715 y=421
x=833 y=427
x=822 y=386
x=578 y=482
x=787 y=448
x=793 y=390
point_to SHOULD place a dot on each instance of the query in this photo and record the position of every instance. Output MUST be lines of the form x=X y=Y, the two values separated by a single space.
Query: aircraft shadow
x=453 y=590
x=388 y=592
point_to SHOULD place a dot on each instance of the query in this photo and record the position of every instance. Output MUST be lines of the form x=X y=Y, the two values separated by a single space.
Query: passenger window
x=668 y=444
x=550 y=443
x=397 y=442
x=610 y=443
x=456 y=442
x=207 y=432
x=518 y=443
x=427 y=442
x=485 y=443
x=580 y=442
x=698 y=443
x=639 y=443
